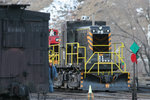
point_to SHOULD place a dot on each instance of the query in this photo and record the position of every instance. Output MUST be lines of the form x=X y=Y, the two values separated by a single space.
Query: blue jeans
x=51 y=88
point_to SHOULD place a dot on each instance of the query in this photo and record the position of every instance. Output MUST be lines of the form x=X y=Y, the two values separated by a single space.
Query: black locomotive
x=86 y=56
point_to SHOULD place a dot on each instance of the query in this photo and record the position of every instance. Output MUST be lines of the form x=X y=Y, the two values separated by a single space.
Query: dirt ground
x=84 y=96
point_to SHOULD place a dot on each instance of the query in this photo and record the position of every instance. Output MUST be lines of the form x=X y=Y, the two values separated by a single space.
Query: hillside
x=127 y=18
x=120 y=14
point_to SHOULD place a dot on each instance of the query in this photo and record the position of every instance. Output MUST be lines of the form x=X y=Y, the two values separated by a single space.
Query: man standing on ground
x=52 y=76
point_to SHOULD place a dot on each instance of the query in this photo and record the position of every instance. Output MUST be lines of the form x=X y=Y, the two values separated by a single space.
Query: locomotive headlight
x=108 y=31
x=98 y=31
x=100 y=27
x=57 y=39
x=102 y=32
x=93 y=31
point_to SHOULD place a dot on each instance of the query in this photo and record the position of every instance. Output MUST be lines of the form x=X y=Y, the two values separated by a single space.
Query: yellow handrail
x=54 y=57
x=115 y=59
x=119 y=55
x=72 y=53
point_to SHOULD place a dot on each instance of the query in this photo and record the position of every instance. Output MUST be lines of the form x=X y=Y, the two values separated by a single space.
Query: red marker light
x=133 y=58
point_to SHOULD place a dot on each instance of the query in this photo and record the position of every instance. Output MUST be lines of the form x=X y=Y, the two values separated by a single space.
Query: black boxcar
x=23 y=50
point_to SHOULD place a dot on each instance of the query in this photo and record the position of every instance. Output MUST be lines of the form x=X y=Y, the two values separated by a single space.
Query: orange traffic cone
x=90 y=94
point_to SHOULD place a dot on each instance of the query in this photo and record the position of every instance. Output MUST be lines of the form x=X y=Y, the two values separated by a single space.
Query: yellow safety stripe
x=90 y=47
x=88 y=37
x=110 y=48
x=109 y=34
x=90 y=42
x=109 y=44
x=90 y=34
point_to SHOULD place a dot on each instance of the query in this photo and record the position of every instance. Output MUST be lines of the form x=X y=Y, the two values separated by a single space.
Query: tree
x=136 y=28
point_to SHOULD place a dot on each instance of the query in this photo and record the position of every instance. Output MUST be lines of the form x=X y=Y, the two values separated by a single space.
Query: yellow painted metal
x=95 y=72
x=72 y=53
x=122 y=46
x=116 y=58
x=85 y=61
x=92 y=67
x=111 y=64
x=98 y=63
x=115 y=51
x=54 y=57
x=83 y=29
x=78 y=54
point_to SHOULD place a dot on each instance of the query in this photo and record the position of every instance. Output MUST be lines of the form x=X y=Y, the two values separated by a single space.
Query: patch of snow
x=143 y=28
x=134 y=28
x=139 y=11
x=128 y=25
x=148 y=37
x=82 y=2
x=59 y=9
x=113 y=4
x=113 y=23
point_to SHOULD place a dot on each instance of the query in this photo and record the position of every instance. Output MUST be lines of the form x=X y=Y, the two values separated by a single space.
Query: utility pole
x=136 y=77
x=134 y=91
x=134 y=48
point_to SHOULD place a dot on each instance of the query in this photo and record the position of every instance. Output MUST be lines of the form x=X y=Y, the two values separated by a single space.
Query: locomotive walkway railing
x=54 y=54
x=117 y=53
x=74 y=52
x=72 y=56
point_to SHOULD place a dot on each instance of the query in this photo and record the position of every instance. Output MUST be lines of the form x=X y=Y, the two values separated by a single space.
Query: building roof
x=20 y=6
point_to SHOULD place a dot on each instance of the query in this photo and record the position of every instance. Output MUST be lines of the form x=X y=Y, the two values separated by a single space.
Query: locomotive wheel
x=59 y=81
x=74 y=80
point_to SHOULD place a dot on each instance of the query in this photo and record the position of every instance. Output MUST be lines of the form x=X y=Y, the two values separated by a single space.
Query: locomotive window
x=52 y=33
x=100 y=39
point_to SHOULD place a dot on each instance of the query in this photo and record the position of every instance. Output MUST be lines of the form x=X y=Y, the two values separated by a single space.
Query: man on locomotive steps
x=52 y=76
